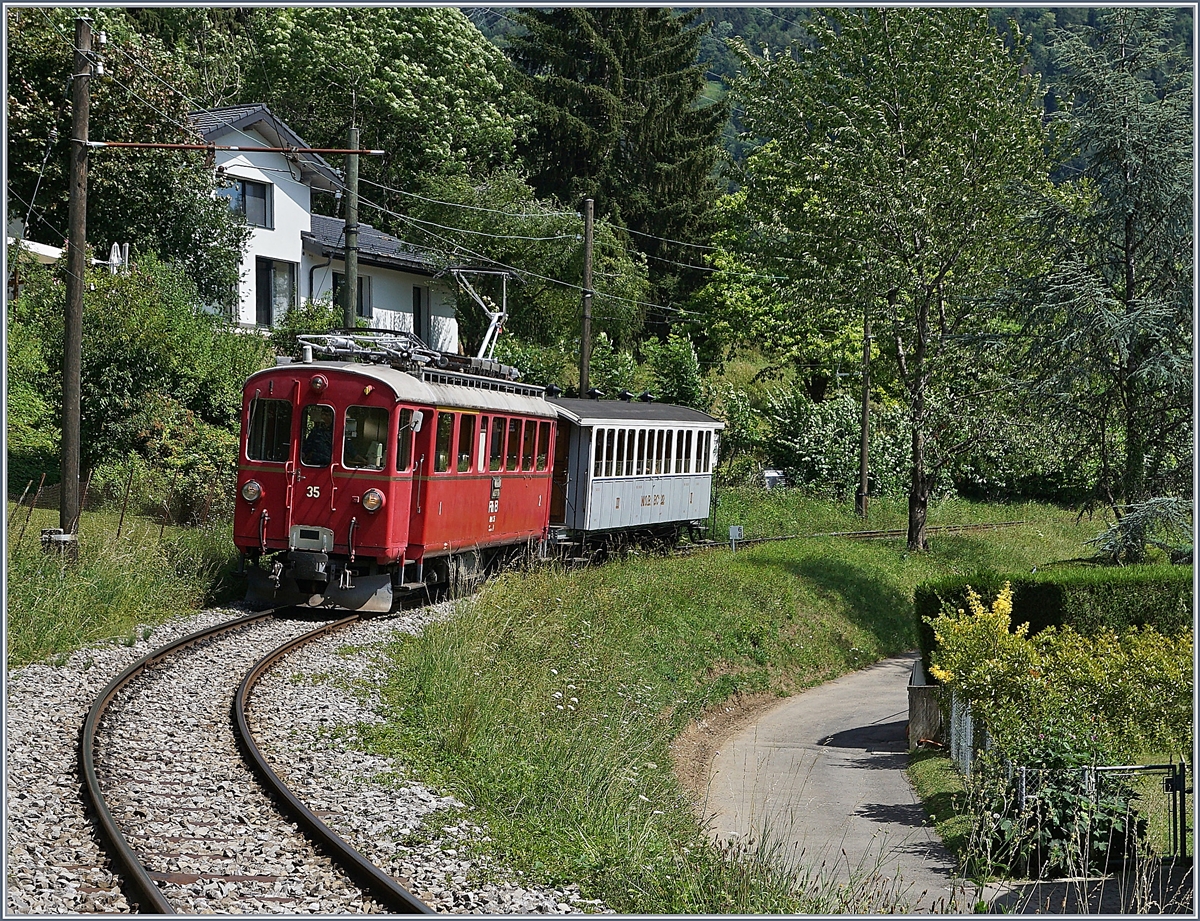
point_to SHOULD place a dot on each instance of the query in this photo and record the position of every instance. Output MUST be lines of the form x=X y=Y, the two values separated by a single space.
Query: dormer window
x=252 y=200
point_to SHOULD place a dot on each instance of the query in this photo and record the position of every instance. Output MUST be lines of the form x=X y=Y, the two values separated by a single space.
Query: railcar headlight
x=372 y=500
x=252 y=491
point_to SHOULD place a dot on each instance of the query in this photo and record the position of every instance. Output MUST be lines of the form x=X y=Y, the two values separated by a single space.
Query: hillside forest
x=979 y=223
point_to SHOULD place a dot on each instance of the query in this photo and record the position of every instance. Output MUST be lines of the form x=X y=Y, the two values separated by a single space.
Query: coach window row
x=503 y=444
x=650 y=452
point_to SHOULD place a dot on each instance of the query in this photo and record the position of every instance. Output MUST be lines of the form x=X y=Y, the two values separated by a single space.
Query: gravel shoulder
x=305 y=711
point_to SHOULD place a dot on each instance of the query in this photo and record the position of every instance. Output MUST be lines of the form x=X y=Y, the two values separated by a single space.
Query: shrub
x=1128 y=693
x=675 y=372
x=1056 y=817
x=541 y=365
x=817 y=444
x=1086 y=598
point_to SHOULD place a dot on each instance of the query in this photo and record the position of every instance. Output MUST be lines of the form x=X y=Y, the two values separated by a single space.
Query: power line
x=451 y=204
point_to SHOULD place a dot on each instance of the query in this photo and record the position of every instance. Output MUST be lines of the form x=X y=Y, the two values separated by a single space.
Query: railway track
x=185 y=837
x=889 y=534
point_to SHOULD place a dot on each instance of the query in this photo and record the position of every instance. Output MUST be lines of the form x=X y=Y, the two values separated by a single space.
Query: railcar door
x=560 y=479
x=314 y=496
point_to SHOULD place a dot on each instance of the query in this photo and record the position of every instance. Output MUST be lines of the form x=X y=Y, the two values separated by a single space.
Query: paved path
x=822 y=776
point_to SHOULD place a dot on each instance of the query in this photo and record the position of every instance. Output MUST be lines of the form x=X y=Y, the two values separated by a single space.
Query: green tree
x=1110 y=310
x=495 y=222
x=619 y=117
x=155 y=200
x=885 y=183
x=423 y=85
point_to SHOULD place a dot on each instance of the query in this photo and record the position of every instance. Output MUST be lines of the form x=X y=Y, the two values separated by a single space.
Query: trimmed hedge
x=1085 y=598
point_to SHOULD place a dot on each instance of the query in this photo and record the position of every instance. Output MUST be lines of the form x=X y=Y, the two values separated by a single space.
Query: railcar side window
x=366 y=438
x=445 y=437
x=496 y=454
x=699 y=452
x=687 y=453
x=658 y=452
x=667 y=453
x=543 y=451
x=316 y=436
x=679 y=452
x=639 y=469
x=404 y=439
x=620 y=468
x=598 y=453
x=269 y=437
x=530 y=446
x=514 y=445
x=483 y=443
x=707 y=451
x=610 y=445
x=466 y=442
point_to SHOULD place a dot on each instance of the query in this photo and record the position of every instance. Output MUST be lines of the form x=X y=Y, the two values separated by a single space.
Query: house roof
x=213 y=123
x=374 y=246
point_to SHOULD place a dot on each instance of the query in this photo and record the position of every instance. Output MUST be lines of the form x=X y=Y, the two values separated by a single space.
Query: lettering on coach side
x=653 y=500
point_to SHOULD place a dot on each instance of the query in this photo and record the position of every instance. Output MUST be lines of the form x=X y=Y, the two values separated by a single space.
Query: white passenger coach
x=626 y=466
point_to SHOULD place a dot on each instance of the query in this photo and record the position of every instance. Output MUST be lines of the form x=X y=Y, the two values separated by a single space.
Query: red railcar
x=360 y=480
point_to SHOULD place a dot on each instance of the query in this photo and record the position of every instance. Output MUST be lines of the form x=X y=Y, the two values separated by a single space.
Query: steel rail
x=394 y=897
x=144 y=891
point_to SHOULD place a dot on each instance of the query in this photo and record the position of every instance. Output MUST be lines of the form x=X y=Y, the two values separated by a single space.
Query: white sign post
x=735 y=534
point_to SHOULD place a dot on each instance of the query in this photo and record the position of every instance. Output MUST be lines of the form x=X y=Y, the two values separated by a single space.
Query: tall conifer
x=620 y=117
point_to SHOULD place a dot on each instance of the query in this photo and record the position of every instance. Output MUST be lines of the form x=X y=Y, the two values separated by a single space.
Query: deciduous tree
x=885 y=182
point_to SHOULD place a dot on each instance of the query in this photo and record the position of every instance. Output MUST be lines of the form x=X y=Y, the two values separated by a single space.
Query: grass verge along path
x=549 y=703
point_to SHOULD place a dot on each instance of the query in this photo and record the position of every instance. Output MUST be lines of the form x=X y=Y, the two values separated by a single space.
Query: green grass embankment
x=55 y=606
x=550 y=702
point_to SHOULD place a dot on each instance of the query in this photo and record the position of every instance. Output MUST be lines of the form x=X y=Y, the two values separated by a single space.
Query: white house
x=293 y=253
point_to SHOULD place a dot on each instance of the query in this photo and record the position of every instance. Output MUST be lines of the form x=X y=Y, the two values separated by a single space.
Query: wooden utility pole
x=860 y=500
x=585 y=344
x=350 y=316
x=68 y=511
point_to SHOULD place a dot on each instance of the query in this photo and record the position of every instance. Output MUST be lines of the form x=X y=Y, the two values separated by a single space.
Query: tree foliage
x=884 y=183
x=421 y=83
x=496 y=223
x=1110 y=310
x=158 y=201
x=618 y=117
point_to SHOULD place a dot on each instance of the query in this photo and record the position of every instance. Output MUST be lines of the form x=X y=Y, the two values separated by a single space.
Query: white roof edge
x=44 y=252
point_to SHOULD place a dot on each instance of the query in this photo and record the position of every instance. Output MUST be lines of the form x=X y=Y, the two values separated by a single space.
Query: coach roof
x=591 y=413
x=409 y=389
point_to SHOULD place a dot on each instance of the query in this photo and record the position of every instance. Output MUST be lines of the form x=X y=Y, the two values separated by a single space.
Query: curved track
x=152 y=738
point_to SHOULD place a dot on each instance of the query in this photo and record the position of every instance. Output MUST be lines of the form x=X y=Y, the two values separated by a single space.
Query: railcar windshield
x=316 y=435
x=270 y=431
x=366 y=438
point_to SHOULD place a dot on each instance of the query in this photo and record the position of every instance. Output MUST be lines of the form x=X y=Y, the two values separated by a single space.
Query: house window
x=362 y=306
x=252 y=200
x=275 y=290
x=420 y=314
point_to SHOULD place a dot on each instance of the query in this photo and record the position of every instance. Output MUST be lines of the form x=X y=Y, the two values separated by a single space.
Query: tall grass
x=550 y=701
x=55 y=605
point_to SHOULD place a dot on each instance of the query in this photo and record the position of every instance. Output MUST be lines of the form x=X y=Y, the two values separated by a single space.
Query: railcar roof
x=413 y=390
x=591 y=413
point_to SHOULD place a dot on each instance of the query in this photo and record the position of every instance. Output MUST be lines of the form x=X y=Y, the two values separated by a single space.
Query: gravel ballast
x=302 y=712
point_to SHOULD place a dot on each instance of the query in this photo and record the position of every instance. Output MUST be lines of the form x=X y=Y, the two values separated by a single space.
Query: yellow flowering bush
x=1128 y=693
